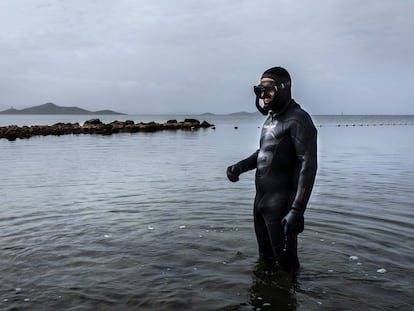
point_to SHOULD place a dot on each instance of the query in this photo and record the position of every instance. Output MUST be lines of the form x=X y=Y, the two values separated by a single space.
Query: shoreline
x=96 y=126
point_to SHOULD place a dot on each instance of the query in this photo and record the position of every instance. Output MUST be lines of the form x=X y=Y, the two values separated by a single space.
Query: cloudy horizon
x=186 y=57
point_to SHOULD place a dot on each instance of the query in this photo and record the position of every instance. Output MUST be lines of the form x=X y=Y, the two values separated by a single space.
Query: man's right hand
x=233 y=173
x=293 y=222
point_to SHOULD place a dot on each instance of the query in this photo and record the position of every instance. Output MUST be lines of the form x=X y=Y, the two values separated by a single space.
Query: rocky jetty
x=96 y=126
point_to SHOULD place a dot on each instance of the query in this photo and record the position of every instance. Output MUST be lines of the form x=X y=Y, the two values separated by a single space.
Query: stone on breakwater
x=96 y=126
x=191 y=121
x=93 y=122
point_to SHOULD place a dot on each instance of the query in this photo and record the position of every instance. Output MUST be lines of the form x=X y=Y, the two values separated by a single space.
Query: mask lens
x=259 y=90
x=262 y=90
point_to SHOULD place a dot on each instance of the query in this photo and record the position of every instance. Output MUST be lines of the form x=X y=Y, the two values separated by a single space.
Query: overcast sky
x=187 y=56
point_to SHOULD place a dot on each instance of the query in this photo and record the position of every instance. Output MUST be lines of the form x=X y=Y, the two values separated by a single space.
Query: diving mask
x=262 y=90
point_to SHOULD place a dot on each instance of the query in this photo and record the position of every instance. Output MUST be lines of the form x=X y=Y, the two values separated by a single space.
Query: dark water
x=148 y=221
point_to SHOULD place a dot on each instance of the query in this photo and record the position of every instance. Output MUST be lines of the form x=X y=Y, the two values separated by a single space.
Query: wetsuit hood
x=283 y=95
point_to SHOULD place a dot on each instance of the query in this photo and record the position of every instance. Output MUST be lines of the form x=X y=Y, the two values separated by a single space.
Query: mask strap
x=260 y=108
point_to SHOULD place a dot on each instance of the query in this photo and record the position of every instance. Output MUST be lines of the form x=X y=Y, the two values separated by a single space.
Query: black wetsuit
x=286 y=165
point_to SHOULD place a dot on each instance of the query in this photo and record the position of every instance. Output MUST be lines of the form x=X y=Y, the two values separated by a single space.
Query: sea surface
x=149 y=221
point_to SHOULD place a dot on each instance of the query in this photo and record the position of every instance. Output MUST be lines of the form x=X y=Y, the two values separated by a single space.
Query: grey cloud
x=192 y=57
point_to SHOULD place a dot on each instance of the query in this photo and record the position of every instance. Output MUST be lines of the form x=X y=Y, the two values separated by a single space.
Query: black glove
x=233 y=173
x=293 y=222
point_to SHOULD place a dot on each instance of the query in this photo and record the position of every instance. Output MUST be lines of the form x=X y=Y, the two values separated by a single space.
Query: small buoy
x=236 y=127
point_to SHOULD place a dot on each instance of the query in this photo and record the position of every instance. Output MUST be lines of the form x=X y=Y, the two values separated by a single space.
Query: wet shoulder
x=297 y=117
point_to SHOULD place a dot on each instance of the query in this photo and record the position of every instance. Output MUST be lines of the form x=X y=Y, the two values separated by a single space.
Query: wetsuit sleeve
x=249 y=163
x=304 y=137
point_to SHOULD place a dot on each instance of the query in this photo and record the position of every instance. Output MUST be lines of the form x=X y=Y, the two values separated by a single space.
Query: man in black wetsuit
x=285 y=164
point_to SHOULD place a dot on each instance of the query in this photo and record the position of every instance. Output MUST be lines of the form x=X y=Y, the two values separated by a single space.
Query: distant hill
x=208 y=114
x=240 y=113
x=50 y=108
x=243 y=113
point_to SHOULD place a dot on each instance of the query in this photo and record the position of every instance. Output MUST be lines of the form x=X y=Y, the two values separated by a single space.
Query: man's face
x=271 y=91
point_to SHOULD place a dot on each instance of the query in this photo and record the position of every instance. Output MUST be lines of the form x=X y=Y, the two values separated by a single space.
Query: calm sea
x=149 y=221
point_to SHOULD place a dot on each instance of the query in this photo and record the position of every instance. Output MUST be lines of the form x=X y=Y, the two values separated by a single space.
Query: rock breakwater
x=96 y=126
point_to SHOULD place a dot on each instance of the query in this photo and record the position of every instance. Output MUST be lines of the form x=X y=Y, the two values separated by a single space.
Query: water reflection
x=273 y=288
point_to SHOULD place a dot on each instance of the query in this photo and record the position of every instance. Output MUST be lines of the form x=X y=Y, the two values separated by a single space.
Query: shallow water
x=148 y=221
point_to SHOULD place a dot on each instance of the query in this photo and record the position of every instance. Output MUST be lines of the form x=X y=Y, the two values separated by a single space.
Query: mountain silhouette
x=50 y=108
